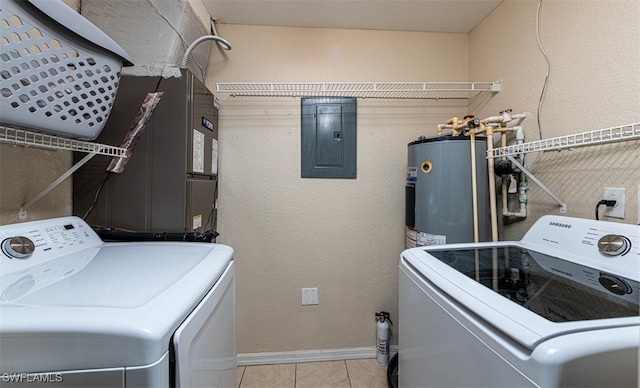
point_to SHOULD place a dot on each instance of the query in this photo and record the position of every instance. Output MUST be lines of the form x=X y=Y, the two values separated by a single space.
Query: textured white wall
x=24 y=173
x=343 y=236
x=155 y=33
x=594 y=83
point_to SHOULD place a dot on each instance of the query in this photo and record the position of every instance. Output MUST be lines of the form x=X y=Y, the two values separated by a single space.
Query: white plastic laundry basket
x=58 y=72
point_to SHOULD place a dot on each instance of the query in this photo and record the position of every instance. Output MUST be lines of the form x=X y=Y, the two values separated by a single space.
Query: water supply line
x=505 y=122
x=474 y=187
x=492 y=186
x=442 y=127
x=468 y=124
x=471 y=124
x=454 y=122
x=505 y=119
x=501 y=124
x=512 y=122
x=458 y=126
x=522 y=181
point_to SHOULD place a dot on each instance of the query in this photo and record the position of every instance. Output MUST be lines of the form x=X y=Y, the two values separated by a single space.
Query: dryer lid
x=115 y=276
x=100 y=305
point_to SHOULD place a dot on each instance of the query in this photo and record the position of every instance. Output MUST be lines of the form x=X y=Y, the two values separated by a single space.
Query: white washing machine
x=558 y=308
x=79 y=312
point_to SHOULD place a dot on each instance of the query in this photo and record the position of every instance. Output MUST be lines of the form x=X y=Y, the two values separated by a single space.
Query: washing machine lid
x=102 y=305
x=532 y=296
x=558 y=290
x=548 y=306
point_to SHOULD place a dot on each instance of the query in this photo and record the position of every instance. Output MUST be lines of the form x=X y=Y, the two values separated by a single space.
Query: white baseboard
x=293 y=357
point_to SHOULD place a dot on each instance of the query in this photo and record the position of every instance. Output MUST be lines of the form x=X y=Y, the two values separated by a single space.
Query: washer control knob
x=614 y=284
x=613 y=245
x=18 y=247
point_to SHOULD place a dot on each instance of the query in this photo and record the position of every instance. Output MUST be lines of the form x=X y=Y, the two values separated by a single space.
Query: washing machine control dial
x=613 y=245
x=18 y=247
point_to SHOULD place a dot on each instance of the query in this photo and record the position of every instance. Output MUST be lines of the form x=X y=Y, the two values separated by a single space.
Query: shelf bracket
x=563 y=205
x=22 y=213
x=600 y=136
x=26 y=138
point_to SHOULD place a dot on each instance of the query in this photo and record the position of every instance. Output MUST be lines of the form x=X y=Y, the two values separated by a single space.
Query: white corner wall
x=343 y=236
x=594 y=83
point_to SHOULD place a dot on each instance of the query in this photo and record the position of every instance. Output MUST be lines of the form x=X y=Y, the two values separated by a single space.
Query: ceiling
x=459 y=16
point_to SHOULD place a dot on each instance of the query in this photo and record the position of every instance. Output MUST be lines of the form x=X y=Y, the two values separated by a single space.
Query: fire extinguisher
x=382 y=338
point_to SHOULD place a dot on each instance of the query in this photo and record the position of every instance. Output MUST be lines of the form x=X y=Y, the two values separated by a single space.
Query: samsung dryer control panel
x=32 y=243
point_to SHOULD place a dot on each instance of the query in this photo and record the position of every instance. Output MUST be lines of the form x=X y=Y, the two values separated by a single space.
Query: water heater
x=439 y=191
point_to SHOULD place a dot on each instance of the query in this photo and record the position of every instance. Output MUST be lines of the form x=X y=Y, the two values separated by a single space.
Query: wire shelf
x=390 y=90
x=600 y=136
x=35 y=139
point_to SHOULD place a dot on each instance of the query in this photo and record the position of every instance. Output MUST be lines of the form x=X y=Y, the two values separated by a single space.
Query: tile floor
x=363 y=373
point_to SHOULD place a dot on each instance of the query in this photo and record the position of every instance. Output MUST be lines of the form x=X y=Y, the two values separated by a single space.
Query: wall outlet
x=617 y=194
x=309 y=296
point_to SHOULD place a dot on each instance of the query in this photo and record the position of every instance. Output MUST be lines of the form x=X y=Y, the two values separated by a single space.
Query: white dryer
x=80 y=312
x=558 y=308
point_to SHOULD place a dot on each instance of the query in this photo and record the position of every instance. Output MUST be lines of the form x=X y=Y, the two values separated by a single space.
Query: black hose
x=111 y=234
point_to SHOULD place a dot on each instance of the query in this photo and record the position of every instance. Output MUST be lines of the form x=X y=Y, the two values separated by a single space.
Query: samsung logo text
x=560 y=225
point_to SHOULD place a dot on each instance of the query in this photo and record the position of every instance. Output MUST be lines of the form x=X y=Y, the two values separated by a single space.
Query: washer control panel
x=613 y=248
x=614 y=245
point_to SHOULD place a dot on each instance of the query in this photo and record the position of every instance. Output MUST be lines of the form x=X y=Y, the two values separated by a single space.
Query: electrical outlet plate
x=309 y=296
x=616 y=194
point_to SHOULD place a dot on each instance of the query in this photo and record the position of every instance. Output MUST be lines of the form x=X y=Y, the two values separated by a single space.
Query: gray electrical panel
x=328 y=137
x=169 y=183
